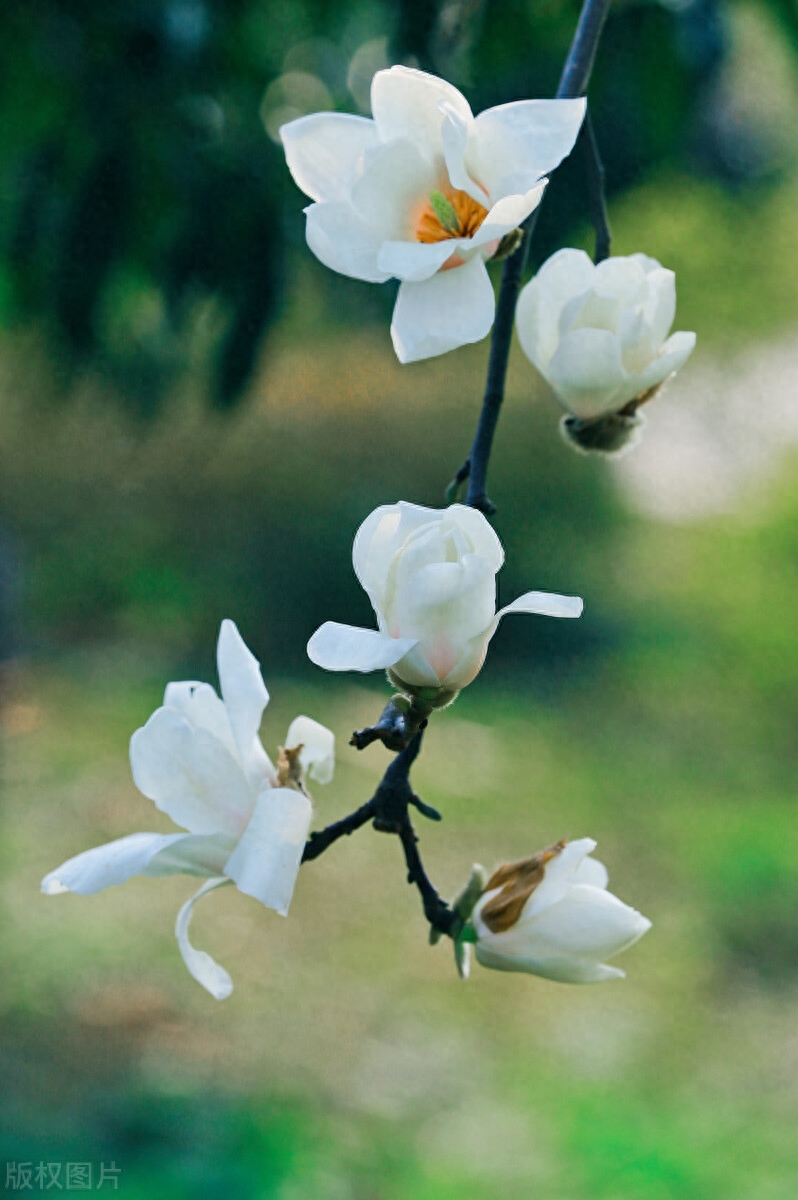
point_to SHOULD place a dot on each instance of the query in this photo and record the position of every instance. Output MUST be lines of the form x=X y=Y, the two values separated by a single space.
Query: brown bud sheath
x=517 y=881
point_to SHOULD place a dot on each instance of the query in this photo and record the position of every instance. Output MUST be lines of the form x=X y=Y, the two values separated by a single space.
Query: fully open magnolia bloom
x=552 y=915
x=431 y=577
x=425 y=192
x=599 y=333
x=199 y=758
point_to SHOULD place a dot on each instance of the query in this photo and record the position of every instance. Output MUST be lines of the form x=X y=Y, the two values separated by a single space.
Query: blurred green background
x=194 y=419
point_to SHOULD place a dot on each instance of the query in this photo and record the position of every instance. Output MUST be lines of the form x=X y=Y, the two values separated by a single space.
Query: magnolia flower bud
x=597 y=334
x=551 y=915
x=431 y=577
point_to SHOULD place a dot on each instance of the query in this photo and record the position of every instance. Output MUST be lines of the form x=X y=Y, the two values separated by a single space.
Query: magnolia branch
x=573 y=83
x=388 y=809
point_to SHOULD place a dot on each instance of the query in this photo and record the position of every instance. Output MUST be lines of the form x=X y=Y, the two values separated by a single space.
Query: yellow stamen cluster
x=467 y=216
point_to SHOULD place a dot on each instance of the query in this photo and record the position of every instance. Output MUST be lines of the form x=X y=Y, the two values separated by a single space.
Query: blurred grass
x=350 y=1063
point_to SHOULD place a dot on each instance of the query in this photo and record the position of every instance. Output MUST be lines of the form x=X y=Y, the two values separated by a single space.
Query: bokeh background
x=194 y=418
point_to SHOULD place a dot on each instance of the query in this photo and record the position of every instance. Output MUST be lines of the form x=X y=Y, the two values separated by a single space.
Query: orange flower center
x=463 y=218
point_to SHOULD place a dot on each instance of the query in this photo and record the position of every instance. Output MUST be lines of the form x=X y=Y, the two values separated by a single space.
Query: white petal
x=190 y=775
x=558 y=969
x=344 y=242
x=444 y=605
x=414 y=670
x=245 y=697
x=506 y=215
x=623 y=278
x=449 y=310
x=378 y=539
x=454 y=134
x=672 y=356
x=512 y=146
x=544 y=604
x=479 y=531
x=266 y=861
x=396 y=182
x=587 y=373
x=587 y=923
x=560 y=873
x=318 y=747
x=405 y=104
x=204 y=969
x=590 y=310
x=567 y=273
x=661 y=303
x=416 y=261
x=200 y=705
x=108 y=865
x=324 y=152
x=591 y=872
x=194 y=854
x=348 y=648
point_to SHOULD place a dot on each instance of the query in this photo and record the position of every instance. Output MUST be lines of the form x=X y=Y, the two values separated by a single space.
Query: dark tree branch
x=594 y=178
x=319 y=841
x=573 y=82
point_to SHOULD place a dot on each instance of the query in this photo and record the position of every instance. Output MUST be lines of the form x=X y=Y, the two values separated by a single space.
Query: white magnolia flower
x=423 y=188
x=599 y=333
x=201 y=761
x=431 y=577
x=552 y=915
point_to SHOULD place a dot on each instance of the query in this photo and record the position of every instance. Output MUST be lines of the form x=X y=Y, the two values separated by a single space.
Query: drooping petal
x=587 y=373
x=266 y=861
x=344 y=242
x=200 y=705
x=565 y=274
x=511 y=147
x=348 y=648
x=672 y=356
x=396 y=181
x=449 y=310
x=406 y=103
x=588 y=923
x=190 y=775
x=195 y=854
x=108 y=865
x=245 y=697
x=324 y=152
x=317 y=756
x=205 y=970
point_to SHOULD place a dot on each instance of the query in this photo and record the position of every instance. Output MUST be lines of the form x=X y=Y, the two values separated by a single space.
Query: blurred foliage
x=142 y=194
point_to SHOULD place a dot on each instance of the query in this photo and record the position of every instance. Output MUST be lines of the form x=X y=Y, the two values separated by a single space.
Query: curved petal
x=544 y=604
x=558 y=969
x=444 y=605
x=414 y=671
x=324 y=152
x=591 y=872
x=266 y=861
x=506 y=215
x=317 y=756
x=449 y=310
x=379 y=537
x=623 y=278
x=204 y=969
x=348 y=648
x=660 y=308
x=565 y=274
x=587 y=923
x=190 y=775
x=454 y=135
x=512 y=146
x=199 y=704
x=195 y=854
x=560 y=872
x=396 y=181
x=673 y=355
x=406 y=104
x=587 y=374
x=245 y=697
x=417 y=261
x=344 y=242
x=108 y=865
x=479 y=531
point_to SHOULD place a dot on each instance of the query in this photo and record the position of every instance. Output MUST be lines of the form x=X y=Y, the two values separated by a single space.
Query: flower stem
x=573 y=82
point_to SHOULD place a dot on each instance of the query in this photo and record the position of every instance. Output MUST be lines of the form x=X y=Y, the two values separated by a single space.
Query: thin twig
x=319 y=841
x=573 y=82
x=596 y=199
